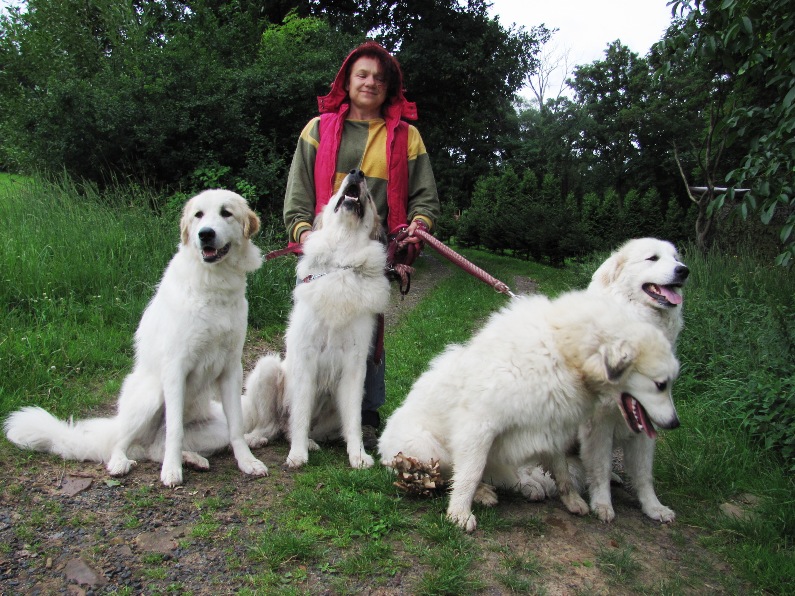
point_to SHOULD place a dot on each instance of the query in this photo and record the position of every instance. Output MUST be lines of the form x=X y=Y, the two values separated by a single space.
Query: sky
x=586 y=27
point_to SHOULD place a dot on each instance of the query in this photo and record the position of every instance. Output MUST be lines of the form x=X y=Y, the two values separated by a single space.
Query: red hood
x=395 y=108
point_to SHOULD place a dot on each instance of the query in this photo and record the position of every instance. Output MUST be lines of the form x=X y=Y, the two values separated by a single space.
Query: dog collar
x=315 y=276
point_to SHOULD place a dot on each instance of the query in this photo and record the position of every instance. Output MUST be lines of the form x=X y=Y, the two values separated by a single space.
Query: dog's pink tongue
x=670 y=295
x=648 y=427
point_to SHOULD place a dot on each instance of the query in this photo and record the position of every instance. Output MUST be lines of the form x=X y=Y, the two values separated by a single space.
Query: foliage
x=747 y=42
x=463 y=68
x=744 y=355
x=160 y=92
x=612 y=93
x=529 y=220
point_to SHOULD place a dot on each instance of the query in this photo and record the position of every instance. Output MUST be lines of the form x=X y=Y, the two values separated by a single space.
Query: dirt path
x=67 y=528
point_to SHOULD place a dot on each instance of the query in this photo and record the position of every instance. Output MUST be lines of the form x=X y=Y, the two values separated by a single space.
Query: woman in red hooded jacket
x=361 y=127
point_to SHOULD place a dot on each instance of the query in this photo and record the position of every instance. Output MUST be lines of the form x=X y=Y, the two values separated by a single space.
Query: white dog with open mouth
x=646 y=276
x=317 y=390
x=188 y=358
x=517 y=391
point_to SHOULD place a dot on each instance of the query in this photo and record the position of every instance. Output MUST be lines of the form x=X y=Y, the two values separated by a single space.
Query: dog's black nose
x=358 y=175
x=206 y=234
x=681 y=272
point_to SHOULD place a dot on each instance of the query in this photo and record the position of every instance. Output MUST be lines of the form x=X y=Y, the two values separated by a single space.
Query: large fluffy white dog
x=318 y=388
x=517 y=391
x=646 y=276
x=188 y=352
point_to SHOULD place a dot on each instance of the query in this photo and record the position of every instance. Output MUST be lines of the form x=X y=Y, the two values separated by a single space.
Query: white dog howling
x=517 y=391
x=188 y=351
x=318 y=388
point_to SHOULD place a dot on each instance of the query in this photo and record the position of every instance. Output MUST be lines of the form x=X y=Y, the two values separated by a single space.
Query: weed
x=618 y=563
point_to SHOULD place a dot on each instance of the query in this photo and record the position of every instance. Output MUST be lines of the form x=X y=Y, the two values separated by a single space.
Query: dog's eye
x=199 y=214
x=661 y=386
x=653 y=258
x=225 y=213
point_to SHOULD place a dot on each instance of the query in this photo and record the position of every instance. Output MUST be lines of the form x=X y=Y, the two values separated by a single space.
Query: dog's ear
x=611 y=361
x=608 y=272
x=184 y=222
x=617 y=356
x=250 y=224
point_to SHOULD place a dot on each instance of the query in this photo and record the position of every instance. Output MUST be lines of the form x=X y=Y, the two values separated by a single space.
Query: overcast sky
x=586 y=27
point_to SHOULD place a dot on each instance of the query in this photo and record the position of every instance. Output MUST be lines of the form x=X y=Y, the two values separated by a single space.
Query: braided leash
x=465 y=264
x=403 y=272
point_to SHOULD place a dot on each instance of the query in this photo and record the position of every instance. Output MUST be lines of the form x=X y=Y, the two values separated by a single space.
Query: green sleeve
x=299 y=196
x=423 y=200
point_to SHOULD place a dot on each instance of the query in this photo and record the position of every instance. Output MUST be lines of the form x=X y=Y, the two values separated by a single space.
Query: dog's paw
x=171 y=476
x=533 y=491
x=296 y=460
x=254 y=440
x=535 y=484
x=361 y=461
x=604 y=511
x=486 y=495
x=313 y=446
x=252 y=467
x=660 y=513
x=575 y=503
x=120 y=466
x=195 y=461
x=463 y=519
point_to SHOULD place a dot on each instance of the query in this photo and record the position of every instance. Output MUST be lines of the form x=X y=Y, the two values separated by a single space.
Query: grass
x=80 y=266
x=76 y=275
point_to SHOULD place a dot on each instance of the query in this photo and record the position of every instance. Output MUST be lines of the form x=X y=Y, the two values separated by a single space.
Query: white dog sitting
x=517 y=391
x=188 y=358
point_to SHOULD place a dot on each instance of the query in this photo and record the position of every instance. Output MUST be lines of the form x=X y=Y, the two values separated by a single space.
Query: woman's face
x=367 y=87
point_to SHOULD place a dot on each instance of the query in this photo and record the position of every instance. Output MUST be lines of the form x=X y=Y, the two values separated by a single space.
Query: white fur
x=622 y=276
x=188 y=352
x=318 y=388
x=517 y=391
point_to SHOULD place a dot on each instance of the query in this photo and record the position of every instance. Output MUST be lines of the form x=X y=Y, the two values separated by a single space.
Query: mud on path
x=67 y=528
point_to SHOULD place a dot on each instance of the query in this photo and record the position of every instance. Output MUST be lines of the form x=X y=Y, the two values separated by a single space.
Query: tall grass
x=78 y=267
x=76 y=272
x=736 y=396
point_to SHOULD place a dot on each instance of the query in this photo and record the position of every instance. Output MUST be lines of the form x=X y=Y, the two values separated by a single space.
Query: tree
x=205 y=89
x=749 y=44
x=613 y=94
x=463 y=68
x=548 y=143
x=551 y=61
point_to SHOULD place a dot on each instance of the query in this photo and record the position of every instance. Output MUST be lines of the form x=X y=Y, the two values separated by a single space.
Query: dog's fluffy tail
x=85 y=440
x=263 y=402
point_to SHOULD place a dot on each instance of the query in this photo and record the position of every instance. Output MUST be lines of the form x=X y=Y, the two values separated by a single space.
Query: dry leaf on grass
x=417 y=477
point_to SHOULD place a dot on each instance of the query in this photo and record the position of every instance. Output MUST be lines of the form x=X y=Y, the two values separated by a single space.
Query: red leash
x=403 y=272
x=465 y=264
x=291 y=249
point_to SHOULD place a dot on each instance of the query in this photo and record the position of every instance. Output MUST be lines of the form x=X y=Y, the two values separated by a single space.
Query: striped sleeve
x=423 y=202
x=299 y=196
